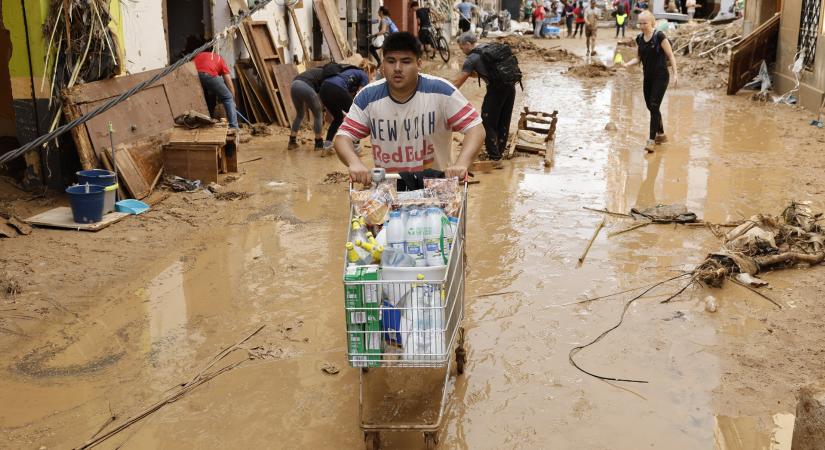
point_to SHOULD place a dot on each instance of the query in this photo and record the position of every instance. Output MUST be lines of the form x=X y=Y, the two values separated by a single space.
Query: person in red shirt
x=578 y=11
x=216 y=81
x=538 y=20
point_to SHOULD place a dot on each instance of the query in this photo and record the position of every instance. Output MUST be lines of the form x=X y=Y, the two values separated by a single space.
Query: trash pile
x=525 y=46
x=594 y=69
x=764 y=243
x=708 y=48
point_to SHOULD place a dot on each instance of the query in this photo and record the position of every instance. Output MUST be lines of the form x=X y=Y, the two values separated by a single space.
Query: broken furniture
x=141 y=123
x=535 y=134
x=200 y=154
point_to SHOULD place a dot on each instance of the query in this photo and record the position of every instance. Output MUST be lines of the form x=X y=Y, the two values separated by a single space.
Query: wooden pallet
x=61 y=217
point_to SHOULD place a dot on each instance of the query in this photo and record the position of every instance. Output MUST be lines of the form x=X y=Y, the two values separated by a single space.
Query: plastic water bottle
x=414 y=237
x=396 y=231
x=449 y=236
x=432 y=240
x=353 y=258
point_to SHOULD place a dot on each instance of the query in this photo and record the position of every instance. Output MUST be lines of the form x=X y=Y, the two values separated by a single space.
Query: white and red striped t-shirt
x=410 y=136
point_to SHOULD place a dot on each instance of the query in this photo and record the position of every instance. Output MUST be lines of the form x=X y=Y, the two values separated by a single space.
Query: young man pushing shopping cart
x=410 y=118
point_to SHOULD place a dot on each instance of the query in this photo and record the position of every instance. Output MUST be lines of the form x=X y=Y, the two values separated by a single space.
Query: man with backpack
x=496 y=64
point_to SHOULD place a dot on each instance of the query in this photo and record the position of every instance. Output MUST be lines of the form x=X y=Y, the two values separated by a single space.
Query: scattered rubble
x=595 y=69
x=336 y=177
x=9 y=286
x=232 y=195
x=525 y=48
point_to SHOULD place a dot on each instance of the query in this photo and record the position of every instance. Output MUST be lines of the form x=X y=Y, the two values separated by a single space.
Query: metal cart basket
x=408 y=320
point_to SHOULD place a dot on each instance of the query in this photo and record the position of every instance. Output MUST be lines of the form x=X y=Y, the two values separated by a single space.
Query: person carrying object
x=386 y=26
x=654 y=52
x=216 y=80
x=498 y=67
x=410 y=118
x=337 y=91
x=465 y=14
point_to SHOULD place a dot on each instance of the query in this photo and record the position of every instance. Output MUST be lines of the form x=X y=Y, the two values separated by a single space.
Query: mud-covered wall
x=812 y=82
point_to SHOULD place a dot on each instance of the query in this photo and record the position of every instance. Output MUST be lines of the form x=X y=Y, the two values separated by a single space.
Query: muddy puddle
x=277 y=264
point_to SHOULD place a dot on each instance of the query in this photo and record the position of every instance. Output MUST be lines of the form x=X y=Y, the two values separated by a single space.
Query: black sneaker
x=319 y=144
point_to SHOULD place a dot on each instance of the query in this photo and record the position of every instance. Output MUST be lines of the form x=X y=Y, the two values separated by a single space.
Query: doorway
x=186 y=18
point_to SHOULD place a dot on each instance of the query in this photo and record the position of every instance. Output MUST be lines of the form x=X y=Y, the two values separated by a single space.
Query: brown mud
x=109 y=322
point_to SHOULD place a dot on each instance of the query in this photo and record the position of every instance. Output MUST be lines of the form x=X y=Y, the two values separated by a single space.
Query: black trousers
x=463 y=24
x=337 y=101
x=654 y=87
x=374 y=53
x=579 y=29
x=620 y=27
x=496 y=111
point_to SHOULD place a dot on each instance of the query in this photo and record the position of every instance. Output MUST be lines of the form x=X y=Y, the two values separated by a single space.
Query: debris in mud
x=330 y=369
x=9 y=286
x=215 y=188
x=232 y=195
x=665 y=214
x=336 y=177
x=261 y=129
x=595 y=69
x=180 y=184
x=710 y=304
x=764 y=243
x=525 y=47
x=610 y=126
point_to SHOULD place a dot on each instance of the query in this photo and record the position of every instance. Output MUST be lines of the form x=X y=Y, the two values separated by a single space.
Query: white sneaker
x=327 y=145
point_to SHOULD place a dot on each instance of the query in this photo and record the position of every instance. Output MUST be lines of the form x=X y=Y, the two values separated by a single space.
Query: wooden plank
x=85 y=150
x=211 y=135
x=747 y=56
x=260 y=93
x=254 y=107
x=331 y=8
x=141 y=116
x=284 y=74
x=264 y=50
x=61 y=217
x=327 y=29
x=129 y=172
x=193 y=162
x=301 y=38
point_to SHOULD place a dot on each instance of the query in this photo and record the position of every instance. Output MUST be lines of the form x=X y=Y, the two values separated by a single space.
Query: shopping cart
x=397 y=299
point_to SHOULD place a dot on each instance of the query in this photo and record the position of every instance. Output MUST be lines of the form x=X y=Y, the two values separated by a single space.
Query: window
x=808 y=26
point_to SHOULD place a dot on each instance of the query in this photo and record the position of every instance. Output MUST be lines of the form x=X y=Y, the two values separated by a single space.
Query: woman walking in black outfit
x=654 y=53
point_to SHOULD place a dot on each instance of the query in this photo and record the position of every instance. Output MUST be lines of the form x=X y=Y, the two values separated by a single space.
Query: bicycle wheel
x=443 y=48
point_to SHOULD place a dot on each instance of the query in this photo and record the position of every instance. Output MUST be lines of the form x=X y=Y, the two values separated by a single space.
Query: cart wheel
x=430 y=440
x=460 y=353
x=371 y=440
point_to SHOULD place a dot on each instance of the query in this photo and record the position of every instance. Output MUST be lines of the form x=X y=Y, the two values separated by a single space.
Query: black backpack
x=333 y=68
x=501 y=63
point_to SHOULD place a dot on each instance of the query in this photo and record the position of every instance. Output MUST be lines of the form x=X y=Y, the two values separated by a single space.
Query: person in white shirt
x=410 y=118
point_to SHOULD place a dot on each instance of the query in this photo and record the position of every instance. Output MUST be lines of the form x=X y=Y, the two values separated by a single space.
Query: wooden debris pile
x=705 y=40
x=764 y=243
x=81 y=47
x=526 y=48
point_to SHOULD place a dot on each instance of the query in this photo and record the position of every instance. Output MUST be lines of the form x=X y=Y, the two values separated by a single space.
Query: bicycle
x=439 y=43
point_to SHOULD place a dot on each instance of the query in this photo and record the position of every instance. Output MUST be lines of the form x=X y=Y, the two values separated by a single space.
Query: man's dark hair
x=413 y=4
x=402 y=42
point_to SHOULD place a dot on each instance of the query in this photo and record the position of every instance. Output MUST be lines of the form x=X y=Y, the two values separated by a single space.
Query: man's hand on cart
x=457 y=171
x=345 y=150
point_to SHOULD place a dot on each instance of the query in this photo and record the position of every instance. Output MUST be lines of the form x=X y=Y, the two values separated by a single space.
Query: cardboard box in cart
x=362 y=305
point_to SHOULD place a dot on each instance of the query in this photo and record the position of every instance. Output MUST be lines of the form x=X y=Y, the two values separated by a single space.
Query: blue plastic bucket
x=104 y=178
x=87 y=202
x=99 y=177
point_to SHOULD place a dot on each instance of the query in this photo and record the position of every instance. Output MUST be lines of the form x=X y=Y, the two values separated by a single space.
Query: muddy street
x=108 y=323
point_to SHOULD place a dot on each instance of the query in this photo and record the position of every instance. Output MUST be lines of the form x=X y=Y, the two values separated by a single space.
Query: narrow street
x=107 y=323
